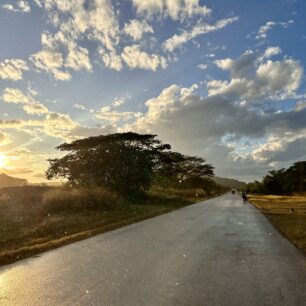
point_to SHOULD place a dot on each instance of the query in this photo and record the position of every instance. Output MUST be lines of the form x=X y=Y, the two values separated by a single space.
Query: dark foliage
x=282 y=182
x=125 y=163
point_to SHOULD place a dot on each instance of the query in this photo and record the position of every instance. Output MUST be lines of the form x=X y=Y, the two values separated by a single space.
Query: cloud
x=30 y=105
x=202 y=66
x=118 y=102
x=50 y=61
x=253 y=79
x=134 y=57
x=12 y=69
x=136 y=29
x=177 y=40
x=79 y=106
x=271 y=51
x=109 y=115
x=111 y=59
x=56 y=125
x=4 y=138
x=75 y=21
x=78 y=58
x=35 y=108
x=263 y=30
x=21 y=6
x=98 y=22
x=300 y=105
x=282 y=149
x=229 y=133
x=176 y=9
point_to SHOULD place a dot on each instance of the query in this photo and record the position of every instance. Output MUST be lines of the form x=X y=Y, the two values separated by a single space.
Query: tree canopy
x=124 y=162
x=282 y=181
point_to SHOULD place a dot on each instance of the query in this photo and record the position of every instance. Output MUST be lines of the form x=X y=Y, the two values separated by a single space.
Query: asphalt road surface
x=218 y=252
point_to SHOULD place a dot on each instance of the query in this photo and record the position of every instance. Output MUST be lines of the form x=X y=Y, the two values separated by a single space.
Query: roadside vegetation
x=111 y=181
x=282 y=182
x=287 y=214
x=281 y=196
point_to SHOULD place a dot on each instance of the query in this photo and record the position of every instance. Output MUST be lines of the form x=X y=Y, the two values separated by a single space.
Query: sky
x=221 y=79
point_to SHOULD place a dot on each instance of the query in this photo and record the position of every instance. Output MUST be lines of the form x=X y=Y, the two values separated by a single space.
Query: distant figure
x=244 y=197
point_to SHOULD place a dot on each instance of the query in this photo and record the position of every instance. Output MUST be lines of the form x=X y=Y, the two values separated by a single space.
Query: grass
x=36 y=219
x=287 y=214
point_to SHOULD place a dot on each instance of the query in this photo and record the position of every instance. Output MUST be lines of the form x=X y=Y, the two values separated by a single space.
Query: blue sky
x=220 y=79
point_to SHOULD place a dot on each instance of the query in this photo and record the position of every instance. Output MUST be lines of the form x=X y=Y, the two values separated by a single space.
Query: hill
x=9 y=181
x=227 y=182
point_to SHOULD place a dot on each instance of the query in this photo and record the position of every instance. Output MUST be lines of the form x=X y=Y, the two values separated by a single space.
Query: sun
x=2 y=160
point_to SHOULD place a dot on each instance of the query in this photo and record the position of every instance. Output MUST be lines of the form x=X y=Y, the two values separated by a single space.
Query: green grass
x=287 y=214
x=36 y=219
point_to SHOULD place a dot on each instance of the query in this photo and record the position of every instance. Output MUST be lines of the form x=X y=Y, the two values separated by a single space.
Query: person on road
x=244 y=197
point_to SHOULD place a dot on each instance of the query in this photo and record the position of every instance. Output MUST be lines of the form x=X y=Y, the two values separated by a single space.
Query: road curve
x=218 y=252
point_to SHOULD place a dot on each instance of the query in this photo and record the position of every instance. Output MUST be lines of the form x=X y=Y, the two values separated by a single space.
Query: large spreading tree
x=125 y=163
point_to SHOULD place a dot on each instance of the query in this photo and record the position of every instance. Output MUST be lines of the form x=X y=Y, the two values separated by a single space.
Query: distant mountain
x=9 y=181
x=227 y=182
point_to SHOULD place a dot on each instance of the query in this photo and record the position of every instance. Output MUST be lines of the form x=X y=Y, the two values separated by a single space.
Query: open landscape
x=152 y=152
x=286 y=213
x=29 y=225
x=36 y=219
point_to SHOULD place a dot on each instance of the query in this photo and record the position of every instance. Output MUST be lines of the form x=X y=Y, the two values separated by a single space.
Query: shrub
x=78 y=199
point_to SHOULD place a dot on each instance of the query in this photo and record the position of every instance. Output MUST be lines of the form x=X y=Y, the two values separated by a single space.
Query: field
x=36 y=219
x=287 y=213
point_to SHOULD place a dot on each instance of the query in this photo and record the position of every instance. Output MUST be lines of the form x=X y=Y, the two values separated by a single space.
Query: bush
x=20 y=203
x=80 y=199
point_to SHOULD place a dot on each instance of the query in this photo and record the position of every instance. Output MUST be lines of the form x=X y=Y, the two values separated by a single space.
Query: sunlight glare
x=2 y=160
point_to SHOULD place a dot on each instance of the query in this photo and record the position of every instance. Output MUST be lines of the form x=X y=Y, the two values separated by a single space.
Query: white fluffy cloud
x=136 y=29
x=51 y=61
x=75 y=21
x=176 y=9
x=252 y=78
x=78 y=58
x=21 y=6
x=29 y=104
x=111 y=59
x=134 y=57
x=271 y=51
x=177 y=40
x=98 y=21
x=12 y=69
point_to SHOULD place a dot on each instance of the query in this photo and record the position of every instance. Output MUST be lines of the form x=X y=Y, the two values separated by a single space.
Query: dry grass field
x=36 y=219
x=287 y=213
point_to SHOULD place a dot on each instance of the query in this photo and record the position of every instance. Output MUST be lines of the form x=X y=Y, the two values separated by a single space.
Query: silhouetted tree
x=283 y=181
x=125 y=163
x=122 y=162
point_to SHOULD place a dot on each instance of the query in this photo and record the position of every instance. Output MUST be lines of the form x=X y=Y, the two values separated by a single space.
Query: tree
x=122 y=162
x=274 y=182
x=178 y=169
x=296 y=178
x=255 y=187
x=200 y=182
x=183 y=166
x=283 y=181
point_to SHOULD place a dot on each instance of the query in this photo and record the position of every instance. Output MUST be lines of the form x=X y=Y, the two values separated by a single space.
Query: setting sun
x=2 y=160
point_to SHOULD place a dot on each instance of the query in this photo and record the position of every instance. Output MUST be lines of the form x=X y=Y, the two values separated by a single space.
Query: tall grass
x=76 y=200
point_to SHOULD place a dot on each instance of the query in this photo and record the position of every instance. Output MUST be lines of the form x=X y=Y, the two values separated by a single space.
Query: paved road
x=218 y=252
